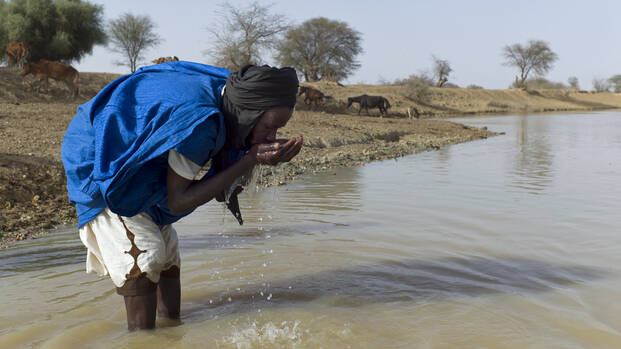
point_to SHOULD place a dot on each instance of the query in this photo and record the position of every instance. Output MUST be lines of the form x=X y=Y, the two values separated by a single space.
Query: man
x=132 y=154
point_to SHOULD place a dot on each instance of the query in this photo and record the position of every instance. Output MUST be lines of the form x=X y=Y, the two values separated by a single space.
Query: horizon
x=577 y=32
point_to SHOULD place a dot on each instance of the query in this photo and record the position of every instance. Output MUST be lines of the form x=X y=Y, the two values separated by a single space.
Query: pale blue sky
x=399 y=37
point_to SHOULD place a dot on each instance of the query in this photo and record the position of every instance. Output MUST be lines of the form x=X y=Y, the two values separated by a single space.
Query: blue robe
x=115 y=151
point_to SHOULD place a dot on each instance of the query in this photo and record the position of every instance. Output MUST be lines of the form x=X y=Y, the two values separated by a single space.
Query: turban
x=251 y=91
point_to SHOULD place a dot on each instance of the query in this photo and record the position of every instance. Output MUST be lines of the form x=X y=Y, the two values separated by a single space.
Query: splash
x=287 y=334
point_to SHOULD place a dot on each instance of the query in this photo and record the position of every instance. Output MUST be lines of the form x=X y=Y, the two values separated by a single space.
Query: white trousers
x=111 y=251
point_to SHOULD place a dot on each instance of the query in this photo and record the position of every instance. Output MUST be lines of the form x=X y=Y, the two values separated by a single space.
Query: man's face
x=264 y=131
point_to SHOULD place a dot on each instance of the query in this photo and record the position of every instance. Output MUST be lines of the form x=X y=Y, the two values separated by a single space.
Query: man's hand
x=283 y=150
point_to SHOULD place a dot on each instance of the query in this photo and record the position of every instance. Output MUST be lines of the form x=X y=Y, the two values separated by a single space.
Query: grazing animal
x=366 y=102
x=45 y=69
x=413 y=112
x=16 y=52
x=165 y=59
x=311 y=95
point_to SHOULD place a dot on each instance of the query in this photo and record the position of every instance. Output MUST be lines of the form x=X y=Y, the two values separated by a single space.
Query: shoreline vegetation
x=33 y=197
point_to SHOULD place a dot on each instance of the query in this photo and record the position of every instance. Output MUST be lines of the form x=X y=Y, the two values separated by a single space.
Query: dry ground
x=33 y=195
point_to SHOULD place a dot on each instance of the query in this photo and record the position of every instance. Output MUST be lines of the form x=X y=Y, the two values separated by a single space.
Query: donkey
x=366 y=102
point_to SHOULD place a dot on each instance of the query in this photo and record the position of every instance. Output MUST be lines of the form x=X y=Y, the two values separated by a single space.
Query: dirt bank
x=33 y=195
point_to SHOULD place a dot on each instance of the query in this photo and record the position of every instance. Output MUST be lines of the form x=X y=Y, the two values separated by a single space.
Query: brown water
x=511 y=242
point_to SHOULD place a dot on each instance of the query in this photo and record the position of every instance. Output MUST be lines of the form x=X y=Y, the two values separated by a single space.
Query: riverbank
x=33 y=195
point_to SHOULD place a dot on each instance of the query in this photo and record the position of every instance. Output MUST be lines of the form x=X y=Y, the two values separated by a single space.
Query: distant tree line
x=319 y=48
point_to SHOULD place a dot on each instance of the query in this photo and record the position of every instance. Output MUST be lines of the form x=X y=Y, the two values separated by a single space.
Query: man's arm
x=185 y=195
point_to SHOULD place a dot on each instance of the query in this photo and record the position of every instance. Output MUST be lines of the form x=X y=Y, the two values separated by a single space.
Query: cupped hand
x=282 y=150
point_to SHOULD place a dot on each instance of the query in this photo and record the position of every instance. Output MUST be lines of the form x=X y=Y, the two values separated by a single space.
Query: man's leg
x=140 y=303
x=133 y=251
x=169 y=286
x=169 y=293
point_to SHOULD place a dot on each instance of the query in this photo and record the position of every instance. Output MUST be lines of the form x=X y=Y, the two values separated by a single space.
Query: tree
x=615 y=83
x=131 y=35
x=243 y=35
x=416 y=86
x=573 y=83
x=441 y=70
x=63 y=30
x=536 y=56
x=600 y=85
x=321 y=48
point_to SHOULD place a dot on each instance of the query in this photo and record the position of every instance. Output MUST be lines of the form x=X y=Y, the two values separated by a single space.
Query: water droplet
x=261 y=293
x=269 y=297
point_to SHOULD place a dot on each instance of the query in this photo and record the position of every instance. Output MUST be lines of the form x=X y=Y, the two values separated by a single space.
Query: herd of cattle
x=312 y=95
x=43 y=70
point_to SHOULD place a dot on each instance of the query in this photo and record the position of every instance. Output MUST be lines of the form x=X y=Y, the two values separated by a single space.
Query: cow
x=16 y=52
x=165 y=59
x=45 y=69
x=311 y=95
x=367 y=102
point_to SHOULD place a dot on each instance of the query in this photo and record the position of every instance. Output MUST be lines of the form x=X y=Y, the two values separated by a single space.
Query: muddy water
x=509 y=242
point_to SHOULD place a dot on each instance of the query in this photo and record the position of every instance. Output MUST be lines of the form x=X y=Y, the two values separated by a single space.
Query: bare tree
x=600 y=85
x=131 y=35
x=321 y=49
x=243 y=35
x=441 y=70
x=536 y=56
x=573 y=83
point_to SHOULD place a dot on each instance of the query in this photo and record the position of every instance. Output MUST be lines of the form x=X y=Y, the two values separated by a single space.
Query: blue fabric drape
x=115 y=149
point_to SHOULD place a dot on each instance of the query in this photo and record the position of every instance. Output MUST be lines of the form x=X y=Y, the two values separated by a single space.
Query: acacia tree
x=63 y=30
x=536 y=56
x=244 y=35
x=441 y=70
x=131 y=35
x=321 y=48
x=615 y=83
x=573 y=83
x=600 y=85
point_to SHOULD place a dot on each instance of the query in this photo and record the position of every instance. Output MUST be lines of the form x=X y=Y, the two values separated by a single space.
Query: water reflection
x=533 y=169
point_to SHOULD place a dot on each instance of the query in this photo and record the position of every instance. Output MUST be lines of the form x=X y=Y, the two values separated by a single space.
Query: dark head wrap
x=251 y=91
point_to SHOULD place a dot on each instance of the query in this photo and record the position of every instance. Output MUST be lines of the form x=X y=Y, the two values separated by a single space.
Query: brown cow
x=16 y=51
x=165 y=59
x=311 y=95
x=45 y=69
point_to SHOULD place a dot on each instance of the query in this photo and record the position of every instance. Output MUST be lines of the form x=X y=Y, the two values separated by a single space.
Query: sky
x=400 y=37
